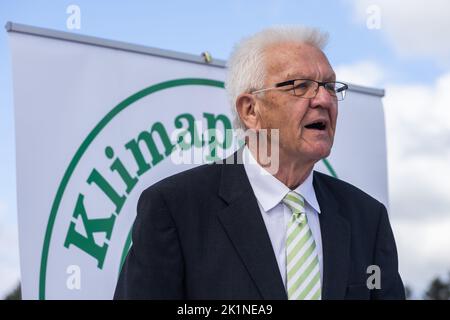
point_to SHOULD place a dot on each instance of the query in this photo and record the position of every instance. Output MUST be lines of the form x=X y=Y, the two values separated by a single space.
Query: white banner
x=95 y=127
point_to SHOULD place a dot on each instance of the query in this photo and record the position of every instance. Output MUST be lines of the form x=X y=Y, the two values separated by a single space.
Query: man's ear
x=246 y=108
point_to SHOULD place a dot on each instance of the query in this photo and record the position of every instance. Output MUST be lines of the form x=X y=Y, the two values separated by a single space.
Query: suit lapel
x=245 y=227
x=335 y=231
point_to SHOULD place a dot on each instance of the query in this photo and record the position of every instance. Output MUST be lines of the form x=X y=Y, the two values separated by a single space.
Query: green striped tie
x=302 y=261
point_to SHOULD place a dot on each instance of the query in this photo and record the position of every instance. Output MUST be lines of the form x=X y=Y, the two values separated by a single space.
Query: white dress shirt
x=269 y=192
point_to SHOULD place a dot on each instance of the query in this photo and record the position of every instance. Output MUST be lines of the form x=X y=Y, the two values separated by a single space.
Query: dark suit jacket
x=199 y=234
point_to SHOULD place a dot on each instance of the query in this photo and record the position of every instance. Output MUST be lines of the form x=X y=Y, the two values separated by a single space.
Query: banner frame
x=125 y=46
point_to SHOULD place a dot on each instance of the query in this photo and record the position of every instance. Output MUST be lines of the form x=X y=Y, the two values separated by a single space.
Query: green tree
x=16 y=294
x=408 y=292
x=438 y=290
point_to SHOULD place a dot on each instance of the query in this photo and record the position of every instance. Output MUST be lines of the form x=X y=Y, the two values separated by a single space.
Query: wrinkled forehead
x=285 y=61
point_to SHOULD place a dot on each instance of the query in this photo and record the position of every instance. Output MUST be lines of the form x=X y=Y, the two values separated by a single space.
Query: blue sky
x=379 y=58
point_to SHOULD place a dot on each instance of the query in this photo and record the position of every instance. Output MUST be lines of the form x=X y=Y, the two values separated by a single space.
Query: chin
x=320 y=153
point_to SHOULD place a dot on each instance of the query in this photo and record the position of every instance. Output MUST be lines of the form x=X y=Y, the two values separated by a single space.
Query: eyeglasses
x=307 y=89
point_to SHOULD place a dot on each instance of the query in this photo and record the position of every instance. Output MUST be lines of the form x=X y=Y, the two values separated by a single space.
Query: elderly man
x=229 y=231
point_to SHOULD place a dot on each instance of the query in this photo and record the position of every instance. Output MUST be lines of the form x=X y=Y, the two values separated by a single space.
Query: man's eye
x=301 y=85
x=330 y=86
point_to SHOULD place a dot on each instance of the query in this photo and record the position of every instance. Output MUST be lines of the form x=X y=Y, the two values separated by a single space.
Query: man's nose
x=323 y=99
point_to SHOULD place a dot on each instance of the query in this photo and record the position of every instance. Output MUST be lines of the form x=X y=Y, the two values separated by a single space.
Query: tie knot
x=295 y=202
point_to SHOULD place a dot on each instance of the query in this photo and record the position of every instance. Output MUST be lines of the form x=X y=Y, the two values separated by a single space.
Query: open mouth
x=319 y=125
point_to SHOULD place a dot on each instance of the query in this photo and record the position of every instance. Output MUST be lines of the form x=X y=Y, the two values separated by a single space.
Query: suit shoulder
x=195 y=178
x=344 y=190
x=358 y=207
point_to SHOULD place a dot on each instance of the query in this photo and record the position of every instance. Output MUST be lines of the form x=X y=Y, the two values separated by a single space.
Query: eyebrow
x=327 y=79
x=330 y=77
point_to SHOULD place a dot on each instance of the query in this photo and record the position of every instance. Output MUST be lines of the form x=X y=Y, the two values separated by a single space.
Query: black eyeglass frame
x=320 y=84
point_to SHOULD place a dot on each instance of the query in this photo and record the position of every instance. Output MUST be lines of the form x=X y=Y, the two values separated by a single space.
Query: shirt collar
x=270 y=191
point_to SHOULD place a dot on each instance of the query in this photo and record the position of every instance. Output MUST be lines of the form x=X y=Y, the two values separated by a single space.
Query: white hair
x=246 y=65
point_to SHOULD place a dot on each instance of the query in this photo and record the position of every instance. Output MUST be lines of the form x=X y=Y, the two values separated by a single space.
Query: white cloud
x=9 y=253
x=364 y=73
x=418 y=138
x=413 y=27
x=418 y=141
